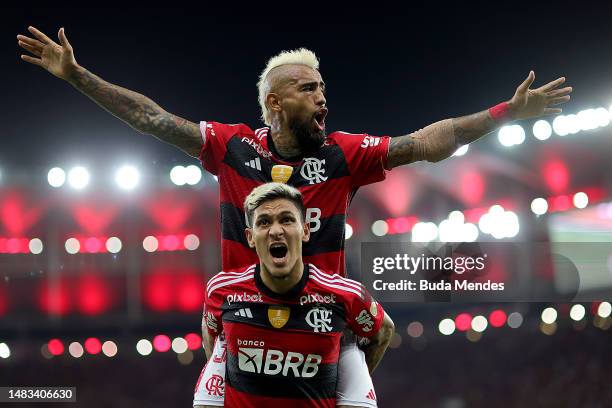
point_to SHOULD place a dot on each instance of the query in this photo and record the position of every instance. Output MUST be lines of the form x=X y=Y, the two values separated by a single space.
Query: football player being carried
x=283 y=320
x=293 y=147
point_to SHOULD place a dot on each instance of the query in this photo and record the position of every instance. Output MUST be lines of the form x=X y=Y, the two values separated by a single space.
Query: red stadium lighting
x=92 y=295
x=194 y=341
x=497 y=318
x=556 y=175
x=162 y=343
x=463 y=322
x=93 y=345
x=401 y=225
x=3 y=301
x=54 y=298
x=158 y=291
x=169 y=243
x=94 y=245
x=56 y=347
x=189 y=293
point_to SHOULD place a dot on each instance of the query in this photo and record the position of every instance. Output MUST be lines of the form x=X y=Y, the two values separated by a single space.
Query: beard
x=309 y=140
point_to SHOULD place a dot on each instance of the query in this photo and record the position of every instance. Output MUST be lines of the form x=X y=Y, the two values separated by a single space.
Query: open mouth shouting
x=279 y=252
x=319 y=119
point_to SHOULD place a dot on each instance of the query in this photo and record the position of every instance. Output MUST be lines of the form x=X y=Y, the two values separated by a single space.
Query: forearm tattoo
x=140 y=112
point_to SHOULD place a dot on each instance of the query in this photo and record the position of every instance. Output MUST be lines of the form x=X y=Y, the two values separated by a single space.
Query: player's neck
x=284 y=141
x=282 y=286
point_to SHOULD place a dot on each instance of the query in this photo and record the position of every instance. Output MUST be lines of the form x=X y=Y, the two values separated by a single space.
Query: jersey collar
x=291 y=294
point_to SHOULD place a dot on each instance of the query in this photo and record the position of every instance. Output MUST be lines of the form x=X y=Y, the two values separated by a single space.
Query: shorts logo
x=365 y=320
x=281 y=173
x=278 y=316
x=215 y=386
x=370 y=141
x=313 y=170
x=319 y=319
x=276 y=362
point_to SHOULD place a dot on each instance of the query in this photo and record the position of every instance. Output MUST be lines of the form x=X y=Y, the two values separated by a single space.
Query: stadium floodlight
x=542 y=130
x=193 y=175
x=348 y=231
x=549 y=315
x=561 y=126
x=602 y=117
x=179 y=345
x=604 y=309
x=581 y=200
x=178 y=175
x=515 y=320
x=109 y=348
x=380 y=228
x=56 y=177
x=191 y=242
x=144 y=347
x=539 y=206
x=470 y=232
x=577 y=312
x=127 y=177
x=113 y=245
x=461 y=151
x=424 y=232
x=72 y=246
x=573 y=123
x=587 y=119
x=447 y=327
x=75 y=349
x=511 y=135
x=479 y=323
x=5 y=351
x=78 y=177
x=150 y=244
x=36 y=246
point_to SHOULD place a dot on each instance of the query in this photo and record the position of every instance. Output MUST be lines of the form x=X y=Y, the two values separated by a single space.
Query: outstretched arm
x=138 y=111
x=440 y=140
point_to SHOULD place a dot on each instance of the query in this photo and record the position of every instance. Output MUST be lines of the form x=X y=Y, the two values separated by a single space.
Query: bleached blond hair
x=301 y=56
x=268 y=192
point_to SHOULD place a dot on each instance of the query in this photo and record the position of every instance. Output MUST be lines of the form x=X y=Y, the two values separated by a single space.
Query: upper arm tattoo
x=402 y=150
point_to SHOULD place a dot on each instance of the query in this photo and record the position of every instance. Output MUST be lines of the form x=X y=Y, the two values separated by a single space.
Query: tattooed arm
x=440 y=140
x=138 y=111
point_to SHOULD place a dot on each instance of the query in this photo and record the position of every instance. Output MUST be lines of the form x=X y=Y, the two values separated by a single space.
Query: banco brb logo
x=313 y=170
x=277 y=362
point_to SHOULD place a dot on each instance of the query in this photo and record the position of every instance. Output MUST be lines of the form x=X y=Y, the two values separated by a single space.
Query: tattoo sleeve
x=140 y=112
x=439 y=140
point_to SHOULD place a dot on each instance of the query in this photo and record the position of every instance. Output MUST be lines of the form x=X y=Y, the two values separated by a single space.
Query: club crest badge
x=278 y=316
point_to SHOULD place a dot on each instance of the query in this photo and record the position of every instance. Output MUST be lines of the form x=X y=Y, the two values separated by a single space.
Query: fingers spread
x=558 y=100
x=29 y=48
x=31 y=60
x=552 y=111
x=40 y=35
x=560 y=92
x=527 y=82
x=63 y=39
x=552 y=85
x=30 y=41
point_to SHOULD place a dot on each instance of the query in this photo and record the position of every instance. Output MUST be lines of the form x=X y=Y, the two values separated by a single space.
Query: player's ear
x=306 y=236
x=249 y=236
x=273 y=101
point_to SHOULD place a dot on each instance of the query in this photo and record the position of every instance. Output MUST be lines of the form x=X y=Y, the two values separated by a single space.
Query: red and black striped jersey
x=242 y=159
x=283 y=350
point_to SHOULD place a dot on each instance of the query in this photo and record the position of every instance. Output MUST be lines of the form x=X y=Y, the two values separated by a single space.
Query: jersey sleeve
x=214 y=141
x=366 y=156
x=212 y=311
x=365 y=315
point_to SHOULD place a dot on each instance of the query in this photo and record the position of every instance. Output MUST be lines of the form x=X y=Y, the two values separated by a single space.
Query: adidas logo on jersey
x=246 y=312
x=255 y=163
x=371 y=395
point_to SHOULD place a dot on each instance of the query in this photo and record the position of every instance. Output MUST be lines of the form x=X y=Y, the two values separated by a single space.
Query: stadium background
x=88 y=274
